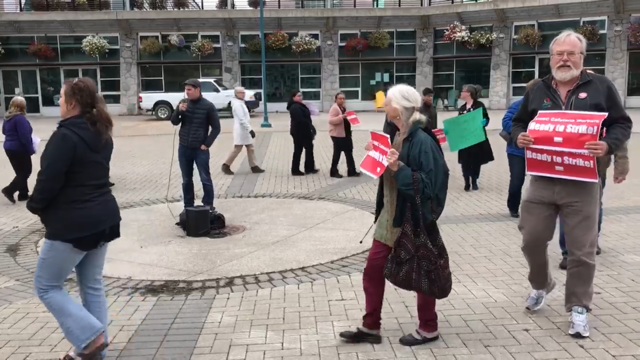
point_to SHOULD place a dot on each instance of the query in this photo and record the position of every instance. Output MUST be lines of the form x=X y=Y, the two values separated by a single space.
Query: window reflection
x=633 y=86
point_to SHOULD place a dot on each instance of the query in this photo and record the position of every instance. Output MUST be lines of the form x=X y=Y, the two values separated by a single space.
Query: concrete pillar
x=617 y=55
x=499 y=89
x=231 y=59
x=424 y=61
x=129 y=78
x=330 y=67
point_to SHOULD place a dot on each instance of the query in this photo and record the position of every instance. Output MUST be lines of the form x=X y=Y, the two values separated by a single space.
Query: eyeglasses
x=570 y=54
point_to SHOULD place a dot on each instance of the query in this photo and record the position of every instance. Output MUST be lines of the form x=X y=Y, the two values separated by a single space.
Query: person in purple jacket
x=18 y=145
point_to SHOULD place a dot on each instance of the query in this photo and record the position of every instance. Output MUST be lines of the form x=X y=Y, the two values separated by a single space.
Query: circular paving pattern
x=280 y=234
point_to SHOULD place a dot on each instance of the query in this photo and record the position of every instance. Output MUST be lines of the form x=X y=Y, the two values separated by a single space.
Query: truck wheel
x=163 y=112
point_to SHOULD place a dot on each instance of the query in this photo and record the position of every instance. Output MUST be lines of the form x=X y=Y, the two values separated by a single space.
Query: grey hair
x=237 y=89
x=570 y=34
x=408 y=101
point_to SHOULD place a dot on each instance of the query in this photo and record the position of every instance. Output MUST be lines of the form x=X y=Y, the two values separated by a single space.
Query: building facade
x=418 y=53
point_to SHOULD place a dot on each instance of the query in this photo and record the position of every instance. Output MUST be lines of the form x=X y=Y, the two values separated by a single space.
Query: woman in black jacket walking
x=80 y=216
x=303 y=133
x=473 y=157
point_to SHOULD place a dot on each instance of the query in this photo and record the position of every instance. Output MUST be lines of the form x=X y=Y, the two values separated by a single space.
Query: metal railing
x=160 y=5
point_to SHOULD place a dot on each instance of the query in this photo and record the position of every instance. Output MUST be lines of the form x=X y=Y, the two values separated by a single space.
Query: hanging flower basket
x=255 y=4
x=590 y=32
x=94 y=46
x=479 y=39
x=253 y=46
x=41 y=51
x=528 y=35
x=175 y=41
x=379 y=39
x=634 y=34
x=278 y=40
x=355 y=46
x=202 y=47
x=456 y=32
x=304 y=44
x=150 y=46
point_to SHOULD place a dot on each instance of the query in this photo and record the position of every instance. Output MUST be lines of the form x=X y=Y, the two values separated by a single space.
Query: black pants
x=343 y=145
x=21 y=164
x=307 y=146
x=516 y=181
x=470 y=173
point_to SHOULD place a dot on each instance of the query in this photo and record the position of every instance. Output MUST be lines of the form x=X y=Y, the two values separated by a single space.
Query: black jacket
x=601 y=96
x=422 y=154
x=72 y=194
x=301 y=124
x=196 y=120
x=429 y=111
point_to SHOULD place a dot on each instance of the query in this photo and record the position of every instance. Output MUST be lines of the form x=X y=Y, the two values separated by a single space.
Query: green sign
x=464 y=130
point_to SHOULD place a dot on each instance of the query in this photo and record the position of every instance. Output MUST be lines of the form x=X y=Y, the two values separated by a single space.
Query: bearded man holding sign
x=569 y=87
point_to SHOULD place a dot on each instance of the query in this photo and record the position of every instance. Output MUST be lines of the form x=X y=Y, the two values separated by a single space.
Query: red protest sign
x=352 y=118
x=561 y=164
x=568 y=130
x=439 y=133
x=375 y=161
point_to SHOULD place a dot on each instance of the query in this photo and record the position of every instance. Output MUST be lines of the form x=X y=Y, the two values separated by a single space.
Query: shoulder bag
x=419 y=260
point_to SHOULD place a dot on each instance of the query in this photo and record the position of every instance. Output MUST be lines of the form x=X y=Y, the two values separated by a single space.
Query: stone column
x=617 y=55
x=424 y=61
x=231 y=59
x=499 y=93
x=129 y=89
x=330 y=67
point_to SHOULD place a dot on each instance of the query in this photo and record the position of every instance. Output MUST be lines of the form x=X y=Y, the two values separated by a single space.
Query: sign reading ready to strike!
x=375 y=161
x=565 y=129
x=561 y=164
x=439 y=133
x=352 y=118
x=558 y=149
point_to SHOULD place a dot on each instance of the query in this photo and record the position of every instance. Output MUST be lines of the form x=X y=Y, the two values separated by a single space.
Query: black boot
x=467 y=184
x=257 y=170
x=297 y=173
x=8 y=195
x=335 y=174
x=226 y=169
x=474 y=184
x=23 y=197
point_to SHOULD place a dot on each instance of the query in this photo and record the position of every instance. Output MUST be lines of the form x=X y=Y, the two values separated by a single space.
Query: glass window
x=281 y=81
x=208 y=87
x=15 y=49
x=311 y=95
x=349 y=69
x=71 y=49
x=557 y=26
x=345 y=36
x=251 y=76
x=311 y=69
x=211 y=71
x=351 y=94
x=441 y=47
x=595 y=60
x=308 y=82
x=145 y=57
x=251 y=83
x=176 y=75
x=151 y=85
x=406 y=37
x=151 y=78
x=375 y=77
x=349 y=82
x=113 y=99
x=111 y=72
x=476 y=71
x=633 y=78
x=50 y=84
x=523 y=70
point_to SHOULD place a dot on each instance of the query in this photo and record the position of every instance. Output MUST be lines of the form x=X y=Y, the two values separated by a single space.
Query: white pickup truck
x=162 y=104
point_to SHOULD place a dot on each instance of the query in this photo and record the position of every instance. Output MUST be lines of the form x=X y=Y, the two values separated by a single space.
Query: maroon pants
x=373 y=282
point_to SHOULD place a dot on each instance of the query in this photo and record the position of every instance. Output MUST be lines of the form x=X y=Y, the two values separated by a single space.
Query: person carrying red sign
x=576 y=197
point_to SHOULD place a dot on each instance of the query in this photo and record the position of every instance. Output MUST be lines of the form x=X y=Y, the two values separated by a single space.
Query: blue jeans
x=187 y=157
x=563 y=243
x=80 y=323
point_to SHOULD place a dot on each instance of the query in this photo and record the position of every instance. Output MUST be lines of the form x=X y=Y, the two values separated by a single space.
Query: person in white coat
x=243 y=135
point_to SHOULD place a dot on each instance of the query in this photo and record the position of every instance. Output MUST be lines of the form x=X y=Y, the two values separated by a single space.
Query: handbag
x=419 y=260
x=505 y=136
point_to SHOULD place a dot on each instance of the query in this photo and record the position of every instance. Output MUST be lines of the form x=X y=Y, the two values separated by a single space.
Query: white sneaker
x=579 y=325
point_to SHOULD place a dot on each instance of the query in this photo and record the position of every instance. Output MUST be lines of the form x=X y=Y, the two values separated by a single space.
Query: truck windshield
x=220 y=85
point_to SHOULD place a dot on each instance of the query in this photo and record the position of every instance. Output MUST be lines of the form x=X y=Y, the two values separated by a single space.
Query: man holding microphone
x=199 y=128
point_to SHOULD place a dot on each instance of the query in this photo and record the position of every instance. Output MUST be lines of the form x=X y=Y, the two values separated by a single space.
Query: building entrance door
x=21 y=82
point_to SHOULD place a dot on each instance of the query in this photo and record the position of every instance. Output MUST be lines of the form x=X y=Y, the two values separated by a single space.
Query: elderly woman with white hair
x=414 y=183
x=243 y=135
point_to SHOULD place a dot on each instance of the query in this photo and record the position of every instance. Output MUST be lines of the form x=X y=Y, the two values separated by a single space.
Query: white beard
x=564 y=75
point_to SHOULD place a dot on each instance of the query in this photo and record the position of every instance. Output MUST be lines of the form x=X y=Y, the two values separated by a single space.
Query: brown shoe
x=226 y=169
x=257 y=170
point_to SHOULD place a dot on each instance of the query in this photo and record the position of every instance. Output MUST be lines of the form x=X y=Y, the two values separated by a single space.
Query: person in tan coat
x=340 y=132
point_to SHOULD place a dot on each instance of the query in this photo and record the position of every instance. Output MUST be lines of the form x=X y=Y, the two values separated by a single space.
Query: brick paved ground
x=297 y=314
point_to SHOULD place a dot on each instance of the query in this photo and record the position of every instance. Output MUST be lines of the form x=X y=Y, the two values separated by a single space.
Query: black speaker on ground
x=198 y=221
